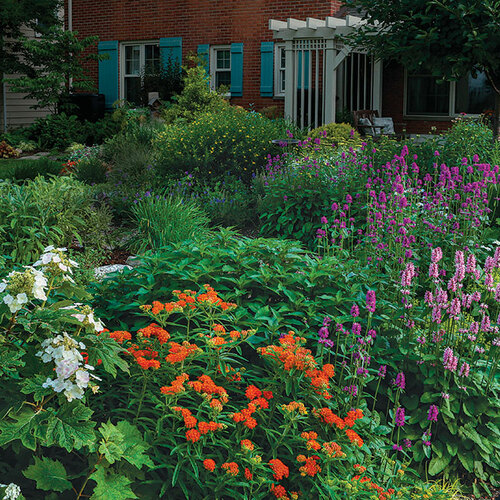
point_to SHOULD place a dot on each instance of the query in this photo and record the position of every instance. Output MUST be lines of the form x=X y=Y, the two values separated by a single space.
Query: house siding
x=19 y=111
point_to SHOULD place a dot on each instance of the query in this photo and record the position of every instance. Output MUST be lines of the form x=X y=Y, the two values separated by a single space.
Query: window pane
x=427 y=97
x=152 y=53
x=133 y=90
x=132 y=59
x=282 y=59
x=223 y=59
x=282 y=80
x=222 y=78
x=474 y=95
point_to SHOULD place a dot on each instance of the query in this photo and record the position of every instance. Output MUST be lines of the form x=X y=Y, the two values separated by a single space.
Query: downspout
x=70 y=28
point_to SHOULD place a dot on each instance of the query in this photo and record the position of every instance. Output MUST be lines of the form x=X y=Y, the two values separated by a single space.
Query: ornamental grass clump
x=161 y=219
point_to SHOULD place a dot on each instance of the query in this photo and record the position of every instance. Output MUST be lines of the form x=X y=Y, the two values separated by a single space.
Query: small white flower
x=12 y=491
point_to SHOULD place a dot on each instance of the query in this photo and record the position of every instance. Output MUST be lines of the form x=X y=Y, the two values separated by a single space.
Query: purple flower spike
x=400 y=417
x=433 y=413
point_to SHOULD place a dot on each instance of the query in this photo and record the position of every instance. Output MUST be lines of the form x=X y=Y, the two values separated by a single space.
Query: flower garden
x=319 y=321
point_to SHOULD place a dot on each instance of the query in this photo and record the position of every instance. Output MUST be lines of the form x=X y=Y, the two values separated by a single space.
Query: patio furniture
x=369 y=123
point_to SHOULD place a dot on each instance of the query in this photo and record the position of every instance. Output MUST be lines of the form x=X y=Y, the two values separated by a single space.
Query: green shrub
x=161 y=220
x=59 y=131
x=466 y=138
x=40 y=213
x=28 y=169
x=340 y=134
x=271 y=277
x=196 y=97
x=92 y=171
x=232 y=140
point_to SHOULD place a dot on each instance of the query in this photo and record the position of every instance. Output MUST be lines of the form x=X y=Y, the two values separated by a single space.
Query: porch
x=323 y=76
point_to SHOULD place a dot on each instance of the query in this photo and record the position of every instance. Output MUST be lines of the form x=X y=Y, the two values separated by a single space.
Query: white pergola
x=335 y=77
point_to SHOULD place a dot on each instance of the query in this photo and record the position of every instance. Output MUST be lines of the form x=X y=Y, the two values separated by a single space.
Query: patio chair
x=369 y=123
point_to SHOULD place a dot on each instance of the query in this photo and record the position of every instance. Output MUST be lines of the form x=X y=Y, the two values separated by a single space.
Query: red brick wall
x=216 y=22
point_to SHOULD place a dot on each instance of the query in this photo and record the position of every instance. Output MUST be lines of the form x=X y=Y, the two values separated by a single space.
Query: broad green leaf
x=70 y=427
x=134 y=445
x=33 y=386
x=111 y=446
x=438 y=464
x=467 y=461
x=108 y=351
x=21 y=425
x=111 y=486
x=50 y=475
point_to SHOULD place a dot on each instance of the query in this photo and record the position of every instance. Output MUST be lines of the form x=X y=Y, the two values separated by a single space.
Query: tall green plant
x=161 y=220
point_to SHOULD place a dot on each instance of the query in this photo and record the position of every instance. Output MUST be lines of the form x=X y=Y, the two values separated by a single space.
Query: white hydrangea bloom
x=12 y=491
x=85 y=315
x=21 y=287
x=55 y=260
x=73 y=375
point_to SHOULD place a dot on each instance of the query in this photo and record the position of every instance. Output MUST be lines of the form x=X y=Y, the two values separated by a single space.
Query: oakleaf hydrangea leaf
x=50 y=475
x=111 y=485
x=71 y=427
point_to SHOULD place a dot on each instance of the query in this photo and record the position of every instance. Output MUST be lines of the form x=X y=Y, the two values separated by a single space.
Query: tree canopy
x=15 y=15
x=445 y=38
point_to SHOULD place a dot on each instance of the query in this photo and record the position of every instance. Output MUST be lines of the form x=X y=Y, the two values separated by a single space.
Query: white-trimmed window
x=425 y=97
x=136 y=59
x=279 y=70
x=220 y=66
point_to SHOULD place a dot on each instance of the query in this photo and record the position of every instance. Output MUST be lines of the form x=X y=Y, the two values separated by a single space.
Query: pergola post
x=330 y=82
x=377 y=86
x=290 y=86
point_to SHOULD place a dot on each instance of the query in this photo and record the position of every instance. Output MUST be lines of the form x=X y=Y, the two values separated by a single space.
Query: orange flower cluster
x=120 y=336
x=176 y=386
x=354 y=437
x=188 y=298
x=259 y=400
x=248 y=474
x=231 y=468
x=179 y=352
x=320 y=379
x=290 y=353
x=368 y=483
x=310 y=467
x=280 y=470
x=221 y=337
x=279 y=492
x=333 y=450
x=352 y=416
x=328 y=417
x=294 y=406
x=153 y=330
x=146 y=358
x=190 y=423
x=211 y=297
x=247 y=445
x=311 y=437
x=230 y=373
x=209 y=464
x=206 y=386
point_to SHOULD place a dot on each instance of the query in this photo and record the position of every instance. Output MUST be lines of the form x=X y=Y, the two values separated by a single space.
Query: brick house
x=243 y=52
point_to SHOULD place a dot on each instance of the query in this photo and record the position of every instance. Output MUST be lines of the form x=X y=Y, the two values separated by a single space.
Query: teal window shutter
x=171 y=51
x=203 y=54
x=108 y=72
x=236 y=69
x=306 y=71
x=266 y=69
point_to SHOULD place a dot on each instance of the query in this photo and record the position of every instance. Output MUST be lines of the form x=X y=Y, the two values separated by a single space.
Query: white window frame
x=213 y=64
x=452 y=113
x=142 y=60
x=279 y=71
